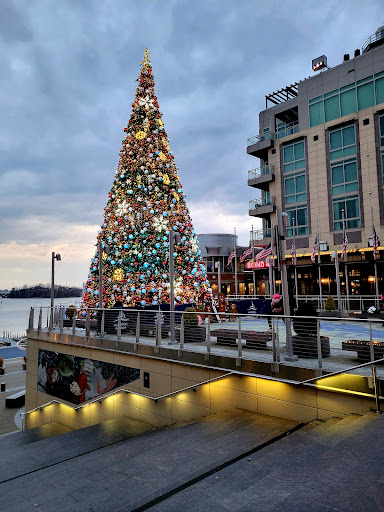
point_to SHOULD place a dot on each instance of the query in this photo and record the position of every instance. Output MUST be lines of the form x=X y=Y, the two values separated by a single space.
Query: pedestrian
x=277 y=304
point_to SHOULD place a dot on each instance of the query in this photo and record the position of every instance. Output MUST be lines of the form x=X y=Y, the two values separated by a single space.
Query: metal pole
x=100 y=275
x=218 y=266
x=319 y=262
x=345 y=260
x=284 y=283
x=272 y=276
x=377 y=300
x=336 y=257
x=52 y=289
x=253 y=259
x=171 y=286
x=235 y=249
x=294 y=263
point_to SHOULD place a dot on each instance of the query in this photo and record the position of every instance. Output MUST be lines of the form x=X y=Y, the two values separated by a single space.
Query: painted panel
x=76 y=379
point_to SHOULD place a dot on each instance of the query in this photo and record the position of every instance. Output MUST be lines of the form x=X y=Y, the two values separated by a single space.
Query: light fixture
x=371 y=279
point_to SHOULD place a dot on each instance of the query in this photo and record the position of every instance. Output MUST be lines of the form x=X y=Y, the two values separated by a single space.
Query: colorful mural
x=77 y=379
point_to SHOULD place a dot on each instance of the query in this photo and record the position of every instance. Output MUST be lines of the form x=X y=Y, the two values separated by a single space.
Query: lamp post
x=58 y=258
x=102 y=248
x=335 y=256
x=218 y=266
x=173 y=237
x=282 y=219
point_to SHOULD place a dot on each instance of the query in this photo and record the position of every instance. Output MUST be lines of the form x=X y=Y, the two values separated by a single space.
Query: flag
x=230 y=258
x=267 y=251
x=314 y=250
x=345 y=243
x=245 y=254
x=375 y=244
x=293 y=253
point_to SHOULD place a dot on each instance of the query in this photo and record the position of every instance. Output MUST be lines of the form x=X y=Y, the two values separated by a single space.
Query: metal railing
x=260 y=138
x=261 y=234
x=314 y=343
x=358 y=303
x=286 y=130
x=377 y=36
x=262 y=201
x=260 y=171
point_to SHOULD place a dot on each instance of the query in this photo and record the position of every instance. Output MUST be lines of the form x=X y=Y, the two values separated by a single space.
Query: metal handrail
x=286 y=130
x=260 y=171
x=260 y=138
x=262 y=201
x=260 y=234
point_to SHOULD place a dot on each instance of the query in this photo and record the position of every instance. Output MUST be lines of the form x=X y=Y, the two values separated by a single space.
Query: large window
x=300 y=215
x=381 y=127
x=295 y=186
x=346 y=100
x=344 y=179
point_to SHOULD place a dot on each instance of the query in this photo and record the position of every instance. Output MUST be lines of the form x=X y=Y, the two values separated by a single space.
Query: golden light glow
x=118 y=274
x=140 y=135
x=371 y=279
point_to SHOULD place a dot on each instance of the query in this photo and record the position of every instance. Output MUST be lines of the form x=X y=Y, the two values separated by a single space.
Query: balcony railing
x=286 y=130
x=261 y=234
x=261 y=171
x=259 y=203
x=377 y=36
x=260 y=138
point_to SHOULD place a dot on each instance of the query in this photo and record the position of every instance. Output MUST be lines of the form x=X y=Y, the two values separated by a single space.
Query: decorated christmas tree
x=145 y=202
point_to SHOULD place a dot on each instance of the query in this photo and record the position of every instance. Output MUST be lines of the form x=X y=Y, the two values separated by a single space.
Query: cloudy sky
x=66 y=88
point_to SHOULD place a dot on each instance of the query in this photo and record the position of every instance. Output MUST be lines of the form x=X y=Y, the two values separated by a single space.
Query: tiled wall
x=244 y=392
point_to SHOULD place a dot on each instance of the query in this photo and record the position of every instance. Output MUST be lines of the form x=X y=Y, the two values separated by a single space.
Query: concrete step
x=28 y=451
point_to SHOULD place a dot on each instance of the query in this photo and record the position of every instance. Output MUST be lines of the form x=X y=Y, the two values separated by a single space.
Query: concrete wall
x=236 y=391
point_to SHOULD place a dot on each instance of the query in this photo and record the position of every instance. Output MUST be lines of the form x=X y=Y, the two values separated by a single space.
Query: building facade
x=215 y=250
x=321 y=151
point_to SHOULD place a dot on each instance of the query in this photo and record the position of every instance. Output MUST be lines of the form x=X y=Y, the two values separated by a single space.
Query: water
x=14 y=313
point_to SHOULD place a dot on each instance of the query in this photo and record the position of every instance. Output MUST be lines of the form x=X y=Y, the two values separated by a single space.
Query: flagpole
x=253 y=259
x=345 y=260
x=319 y=262
x=235 y=250
x=294 y=262
x=272 y=286
x=374 y=262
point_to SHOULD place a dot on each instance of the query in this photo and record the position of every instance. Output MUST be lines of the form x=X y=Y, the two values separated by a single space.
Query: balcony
x=287 y=129
x=259 y=144
x=260 y=178
x=261 y=237
x=262 y=207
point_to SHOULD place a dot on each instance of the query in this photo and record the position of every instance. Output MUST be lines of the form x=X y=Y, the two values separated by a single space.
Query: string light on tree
x=145 y=201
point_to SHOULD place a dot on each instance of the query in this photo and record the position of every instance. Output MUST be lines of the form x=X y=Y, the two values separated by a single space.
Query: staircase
x=232 y=461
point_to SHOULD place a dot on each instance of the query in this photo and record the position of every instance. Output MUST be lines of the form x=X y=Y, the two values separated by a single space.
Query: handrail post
x=239 y=345
x=61 y=320
x=50 y=323
x=138 y=328
x=74 y=322
x=119 y=326
x=30 y=321
x=102 y=328
x=158 y=329
x=371 y=348
x=277 y=341
x=319 y=352
x=40 y=320
x=88 y=325
x=182 y=332
x=375 y=386
x=208 y=339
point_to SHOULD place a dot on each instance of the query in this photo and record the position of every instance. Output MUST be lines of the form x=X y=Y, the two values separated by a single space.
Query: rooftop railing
x=261 y=171
x=374 y=38
x=287 y=129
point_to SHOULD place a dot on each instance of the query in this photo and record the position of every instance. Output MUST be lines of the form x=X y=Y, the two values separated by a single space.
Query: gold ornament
x=166 y=179
x=161 y=122
x=162 y=156
x=176 y=196
x=105 y=256
x=140 y=135
x=165 y=143
x=118 y=274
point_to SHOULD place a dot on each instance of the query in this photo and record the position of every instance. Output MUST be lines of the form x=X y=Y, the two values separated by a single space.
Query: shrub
x=330 y=304
x=190 y=319
x=1 y=362
x=305 y=326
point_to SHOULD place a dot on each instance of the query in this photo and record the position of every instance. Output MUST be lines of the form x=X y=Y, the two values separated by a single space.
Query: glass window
x=344 y=177
x=379 y=85
x=294 y=156
x=331 y=108
x=299 y=213
x=348 y=102
x=295 y=189
x=316 y=114
x=351 y=208
x=342 y=142
x=365 y=96
x=381 y=130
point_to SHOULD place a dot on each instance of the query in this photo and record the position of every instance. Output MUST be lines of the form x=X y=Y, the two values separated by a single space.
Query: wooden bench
x=363 y=349
x=254 y=339
x=16 y=400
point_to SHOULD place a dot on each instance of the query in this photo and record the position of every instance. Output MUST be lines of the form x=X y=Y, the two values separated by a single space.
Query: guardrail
x=260 y=138
x=295 y=340
x=260 y=234
x=262 y=201
x=260 y=171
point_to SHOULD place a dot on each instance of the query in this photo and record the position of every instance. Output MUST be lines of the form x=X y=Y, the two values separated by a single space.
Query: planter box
x=363 y=349
x=307 y=346
x=192 y=334
x=330 y=314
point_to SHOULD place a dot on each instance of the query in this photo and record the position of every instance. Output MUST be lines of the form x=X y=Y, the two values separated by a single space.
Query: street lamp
x=282 y=220
x=58 y=258
x=335 y=256
x=102 y=248
x=218 y=266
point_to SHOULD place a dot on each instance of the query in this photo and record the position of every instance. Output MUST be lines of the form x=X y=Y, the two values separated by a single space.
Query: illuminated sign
x=257 y=264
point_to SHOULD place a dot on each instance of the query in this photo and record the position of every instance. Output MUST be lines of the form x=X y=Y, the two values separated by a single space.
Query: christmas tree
x=145 y=202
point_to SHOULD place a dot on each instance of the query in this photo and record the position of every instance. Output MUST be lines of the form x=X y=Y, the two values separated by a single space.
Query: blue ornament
x=130 y=237
x=113 y=262
x=132 y=288
x=126 y=246
x=139 y=255
x=143 y=302
x=146 y=265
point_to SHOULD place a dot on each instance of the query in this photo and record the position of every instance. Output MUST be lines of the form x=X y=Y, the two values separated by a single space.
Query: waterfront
x=14 y=313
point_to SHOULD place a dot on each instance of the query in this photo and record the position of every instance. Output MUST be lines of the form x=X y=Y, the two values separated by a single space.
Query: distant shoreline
x=43 y=292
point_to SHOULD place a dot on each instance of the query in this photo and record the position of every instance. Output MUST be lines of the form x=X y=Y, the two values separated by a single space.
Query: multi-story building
x=321 y=151
x=215 y=250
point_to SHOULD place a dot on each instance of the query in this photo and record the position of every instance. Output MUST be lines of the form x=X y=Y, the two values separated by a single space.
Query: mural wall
x=77 y=379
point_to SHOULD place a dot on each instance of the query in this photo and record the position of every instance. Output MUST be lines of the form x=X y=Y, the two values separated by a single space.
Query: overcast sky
x=66 y=88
